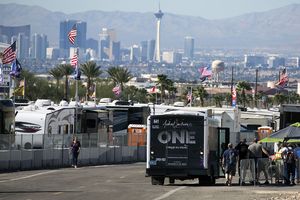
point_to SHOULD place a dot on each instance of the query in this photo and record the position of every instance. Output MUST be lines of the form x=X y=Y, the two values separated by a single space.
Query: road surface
x=123 y=182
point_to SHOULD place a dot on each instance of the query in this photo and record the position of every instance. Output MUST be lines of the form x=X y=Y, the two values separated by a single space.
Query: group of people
x=252 y=157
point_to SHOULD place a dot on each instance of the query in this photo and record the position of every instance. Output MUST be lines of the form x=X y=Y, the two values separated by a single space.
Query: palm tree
x=163 y=82
x=243 y=86
x=119 y=75
x=66 y=70
x=280 y=98
x=218 y=98
x=91 y=71
x=201 y=93
x=57 y=75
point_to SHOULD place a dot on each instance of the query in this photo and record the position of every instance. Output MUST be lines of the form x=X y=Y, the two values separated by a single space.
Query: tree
x=91 y=71
x=280 y=98
x=165 y=84
x=66 y=70
x=119 y=75
x=218 y=98
x=201 y=93
x=57 y=75
x=243 y=86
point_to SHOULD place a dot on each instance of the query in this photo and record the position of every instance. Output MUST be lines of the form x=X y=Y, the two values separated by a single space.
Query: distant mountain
x=277 y=28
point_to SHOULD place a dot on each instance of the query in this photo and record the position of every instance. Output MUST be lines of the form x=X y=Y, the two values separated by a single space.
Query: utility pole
x=255 y=93
x=231 y=88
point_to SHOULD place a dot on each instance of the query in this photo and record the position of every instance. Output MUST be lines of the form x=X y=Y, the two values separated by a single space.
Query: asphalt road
x=118 y=182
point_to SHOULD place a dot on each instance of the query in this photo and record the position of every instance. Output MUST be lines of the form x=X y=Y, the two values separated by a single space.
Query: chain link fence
x=265 y=170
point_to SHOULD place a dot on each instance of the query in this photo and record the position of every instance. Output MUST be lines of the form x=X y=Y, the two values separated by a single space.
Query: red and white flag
x=72 y=34
x=74 y=60
x=284 y=79
x=117 y=90
x=9 y=54
x=153 y=89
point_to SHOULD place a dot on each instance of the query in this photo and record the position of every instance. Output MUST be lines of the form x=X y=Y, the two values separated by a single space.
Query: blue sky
x=210 y=9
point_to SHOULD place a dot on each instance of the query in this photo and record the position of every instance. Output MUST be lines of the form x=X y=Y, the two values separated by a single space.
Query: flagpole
x=24 y=88
x=191 y=96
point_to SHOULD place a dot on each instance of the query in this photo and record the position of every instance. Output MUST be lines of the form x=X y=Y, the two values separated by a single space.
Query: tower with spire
x=158 y=16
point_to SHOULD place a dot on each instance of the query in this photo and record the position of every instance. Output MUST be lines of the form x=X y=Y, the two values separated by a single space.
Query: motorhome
x=33 y=125
x=184 y=145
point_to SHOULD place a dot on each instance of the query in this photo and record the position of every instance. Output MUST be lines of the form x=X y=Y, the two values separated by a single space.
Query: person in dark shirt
x=243 y=152
x=75 y=149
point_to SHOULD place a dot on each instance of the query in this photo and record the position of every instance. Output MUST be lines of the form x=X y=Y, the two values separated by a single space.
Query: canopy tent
x=290 y=133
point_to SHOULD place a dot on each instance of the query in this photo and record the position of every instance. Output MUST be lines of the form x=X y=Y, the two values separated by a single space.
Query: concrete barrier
x=27 y=159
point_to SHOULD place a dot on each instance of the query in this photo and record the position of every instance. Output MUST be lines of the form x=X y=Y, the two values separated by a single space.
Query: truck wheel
x=161 y=180
x=154 y=180
x=204 y=180
x=171 y=180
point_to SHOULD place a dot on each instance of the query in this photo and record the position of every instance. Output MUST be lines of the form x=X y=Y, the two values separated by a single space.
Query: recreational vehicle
x=184 y=145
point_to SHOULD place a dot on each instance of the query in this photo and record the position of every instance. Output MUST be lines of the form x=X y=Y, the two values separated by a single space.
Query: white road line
x=30 y=176
x=169 y=193
x=122 y=176
x=57 y=193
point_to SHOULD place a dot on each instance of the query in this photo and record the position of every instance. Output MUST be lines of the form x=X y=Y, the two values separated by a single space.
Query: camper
x=33 y=124
x=184 y=145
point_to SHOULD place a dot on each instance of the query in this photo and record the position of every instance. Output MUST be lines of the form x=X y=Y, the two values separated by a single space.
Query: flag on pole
x=153 y=89
x=72 y=34
x=205 y=73
x=9 y=54
x=189 y=96
x=15 y=70
x=284 y=79
x=77 y=73
x=74 y=60
x=233 y=96
x=1 y=74
x=117 y=90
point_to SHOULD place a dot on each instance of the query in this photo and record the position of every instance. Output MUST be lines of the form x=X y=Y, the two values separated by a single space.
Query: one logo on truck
x=179 y=136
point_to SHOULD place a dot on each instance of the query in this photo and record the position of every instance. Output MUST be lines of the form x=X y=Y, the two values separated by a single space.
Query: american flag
x=205 y=72
x=1 y=74
x=72 y=34
x=9 y=54
x=74 y=60
x=153 y=89
x=189 y=96
x=284 y=79
x=117 y=90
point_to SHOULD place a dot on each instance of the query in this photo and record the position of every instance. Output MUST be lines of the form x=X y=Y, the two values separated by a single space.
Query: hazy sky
x=210 y=9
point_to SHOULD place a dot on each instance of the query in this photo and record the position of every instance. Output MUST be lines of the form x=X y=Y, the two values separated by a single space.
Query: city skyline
x=214 y=9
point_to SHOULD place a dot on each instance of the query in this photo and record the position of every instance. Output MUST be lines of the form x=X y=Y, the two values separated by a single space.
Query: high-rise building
x=276 y=61
x=80 y=41
x=189 y=47
x=134 y=53
x=39 y=46
x=106 y=37
x=21 y=34
x=158 y=16
x=23 y=44
x=171 y=57
x=254 y=60
x=115 y=49
x=144 y=51
x=151 y=50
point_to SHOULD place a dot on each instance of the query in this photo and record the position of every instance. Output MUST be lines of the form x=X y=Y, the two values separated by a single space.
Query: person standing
x=242 y=149
x=256 y=151
x=297 y=157
x=229 y=163
x=75 y=149
x=289 y=165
